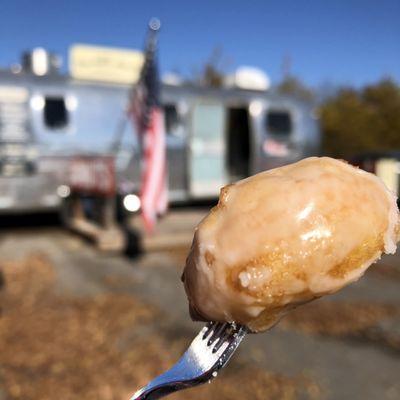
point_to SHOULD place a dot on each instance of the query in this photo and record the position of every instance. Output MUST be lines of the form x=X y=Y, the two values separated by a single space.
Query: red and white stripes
x=154 y=190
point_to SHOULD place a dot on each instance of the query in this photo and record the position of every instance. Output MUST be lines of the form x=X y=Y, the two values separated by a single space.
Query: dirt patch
x=102 y=347
x=359 y=320
x=338 y=318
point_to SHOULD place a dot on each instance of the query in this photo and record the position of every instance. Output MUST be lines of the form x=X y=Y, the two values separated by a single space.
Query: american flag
x=148 y=118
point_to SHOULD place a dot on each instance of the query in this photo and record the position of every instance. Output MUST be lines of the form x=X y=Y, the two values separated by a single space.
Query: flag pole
x=151 y=39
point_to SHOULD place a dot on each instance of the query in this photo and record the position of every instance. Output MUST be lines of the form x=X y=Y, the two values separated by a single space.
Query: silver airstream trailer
x=229 y=134
x=214 y=136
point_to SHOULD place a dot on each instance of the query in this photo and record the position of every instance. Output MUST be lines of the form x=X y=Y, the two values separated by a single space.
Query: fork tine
x=220 y=341
x=218 y=329
x=209 y=328
x=229 y=332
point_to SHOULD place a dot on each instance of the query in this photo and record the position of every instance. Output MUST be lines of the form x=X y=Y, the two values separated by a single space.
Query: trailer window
x=279 y=123
x=55 y=113
x=173 y=124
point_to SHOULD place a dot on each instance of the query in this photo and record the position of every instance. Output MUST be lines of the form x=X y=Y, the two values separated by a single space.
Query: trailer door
x=207 y=150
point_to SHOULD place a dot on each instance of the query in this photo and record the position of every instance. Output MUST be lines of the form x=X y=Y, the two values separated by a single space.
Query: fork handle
x=153 y=391
x=164 y=385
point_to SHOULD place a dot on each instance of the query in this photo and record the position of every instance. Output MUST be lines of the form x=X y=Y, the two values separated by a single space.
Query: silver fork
x=210 y=350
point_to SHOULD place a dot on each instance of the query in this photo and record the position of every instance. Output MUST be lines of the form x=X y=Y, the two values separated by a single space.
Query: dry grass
x=101 y=347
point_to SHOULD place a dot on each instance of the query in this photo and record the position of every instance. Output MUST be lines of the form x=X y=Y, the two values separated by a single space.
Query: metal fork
x=210 y=350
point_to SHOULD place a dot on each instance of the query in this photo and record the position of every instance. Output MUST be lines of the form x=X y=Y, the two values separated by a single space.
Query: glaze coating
x=285 y=237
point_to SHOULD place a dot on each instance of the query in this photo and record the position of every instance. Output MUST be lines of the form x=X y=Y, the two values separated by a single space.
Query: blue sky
x=342 y=42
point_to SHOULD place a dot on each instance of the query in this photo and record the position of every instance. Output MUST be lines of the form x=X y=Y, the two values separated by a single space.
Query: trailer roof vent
x=249 y=78
x=40 y=62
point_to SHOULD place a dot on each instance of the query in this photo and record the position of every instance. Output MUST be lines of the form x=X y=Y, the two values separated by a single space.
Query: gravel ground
x=126 y=320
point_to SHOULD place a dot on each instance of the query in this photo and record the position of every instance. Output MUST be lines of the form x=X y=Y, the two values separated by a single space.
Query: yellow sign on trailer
x=105 y=64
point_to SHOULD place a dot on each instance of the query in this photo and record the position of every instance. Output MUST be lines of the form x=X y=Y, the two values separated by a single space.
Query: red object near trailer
x=92 y=175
